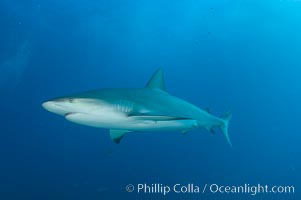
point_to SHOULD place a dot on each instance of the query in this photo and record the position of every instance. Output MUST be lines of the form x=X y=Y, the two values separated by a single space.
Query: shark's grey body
x=135 y=110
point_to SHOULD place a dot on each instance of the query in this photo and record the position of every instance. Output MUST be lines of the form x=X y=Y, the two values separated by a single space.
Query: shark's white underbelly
x=150 y=125
x=121 y=122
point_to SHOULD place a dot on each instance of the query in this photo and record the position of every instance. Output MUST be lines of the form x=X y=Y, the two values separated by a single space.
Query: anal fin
x=210 y=129
x=185 y=131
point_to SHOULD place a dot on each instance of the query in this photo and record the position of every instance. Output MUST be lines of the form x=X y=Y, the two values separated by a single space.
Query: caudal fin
x=224 y=126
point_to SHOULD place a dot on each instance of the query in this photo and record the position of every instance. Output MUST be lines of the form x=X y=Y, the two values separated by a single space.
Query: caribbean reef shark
x=136 y=110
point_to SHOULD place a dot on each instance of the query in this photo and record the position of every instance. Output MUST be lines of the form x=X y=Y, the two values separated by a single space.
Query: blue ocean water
x=238 y=55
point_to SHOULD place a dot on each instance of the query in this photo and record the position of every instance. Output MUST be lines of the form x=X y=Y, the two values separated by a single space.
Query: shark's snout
x=63 y=106
x=55 y=107
x=48 y=105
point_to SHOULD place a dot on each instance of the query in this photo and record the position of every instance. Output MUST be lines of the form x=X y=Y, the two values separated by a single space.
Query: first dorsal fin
x=156 y=81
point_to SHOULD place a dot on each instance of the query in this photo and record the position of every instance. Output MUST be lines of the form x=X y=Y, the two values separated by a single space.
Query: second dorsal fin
x=156 y=81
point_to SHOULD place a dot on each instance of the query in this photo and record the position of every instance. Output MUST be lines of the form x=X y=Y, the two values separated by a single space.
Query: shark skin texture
x=124 y=110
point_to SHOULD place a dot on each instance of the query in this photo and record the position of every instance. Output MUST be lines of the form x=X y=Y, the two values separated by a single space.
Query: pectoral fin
x=117 y=135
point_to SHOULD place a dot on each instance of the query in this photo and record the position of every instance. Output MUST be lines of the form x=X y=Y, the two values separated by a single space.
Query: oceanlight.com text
x=250 y=189
x=191 y=188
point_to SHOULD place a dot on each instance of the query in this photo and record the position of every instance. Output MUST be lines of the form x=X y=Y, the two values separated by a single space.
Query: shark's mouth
x=70 y=113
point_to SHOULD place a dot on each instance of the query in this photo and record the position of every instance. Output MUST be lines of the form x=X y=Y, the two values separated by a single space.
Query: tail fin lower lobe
x=224 y=126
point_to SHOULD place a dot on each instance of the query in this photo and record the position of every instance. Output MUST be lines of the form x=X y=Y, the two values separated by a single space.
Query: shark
x=125 y=110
